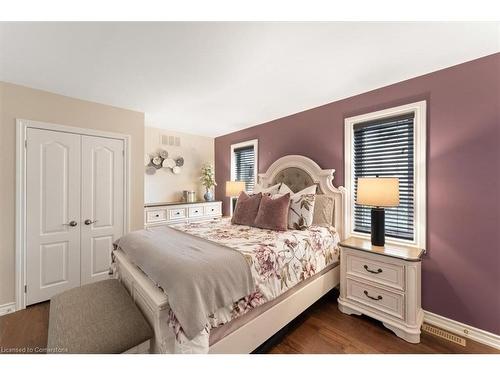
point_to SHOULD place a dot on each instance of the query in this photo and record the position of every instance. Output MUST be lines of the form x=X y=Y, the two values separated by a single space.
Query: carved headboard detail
x=299 y=172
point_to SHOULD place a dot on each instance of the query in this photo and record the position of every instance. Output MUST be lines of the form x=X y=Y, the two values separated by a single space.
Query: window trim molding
x=419 y=164
x=251 y=142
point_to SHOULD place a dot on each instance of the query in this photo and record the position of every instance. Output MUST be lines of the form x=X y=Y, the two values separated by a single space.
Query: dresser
x=382 y=282
x=178 y=212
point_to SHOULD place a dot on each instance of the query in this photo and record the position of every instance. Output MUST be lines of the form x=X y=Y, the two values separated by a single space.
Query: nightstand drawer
x=155 y=216
x=387 y=273
x=377 y=298
x=176 y=213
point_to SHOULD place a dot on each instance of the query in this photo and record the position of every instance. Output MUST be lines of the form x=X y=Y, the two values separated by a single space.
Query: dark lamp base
x=378 y=226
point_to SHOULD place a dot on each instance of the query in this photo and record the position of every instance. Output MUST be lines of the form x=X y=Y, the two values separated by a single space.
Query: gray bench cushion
x=95 y=318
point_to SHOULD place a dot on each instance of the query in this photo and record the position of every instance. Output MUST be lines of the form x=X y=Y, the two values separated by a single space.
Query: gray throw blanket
x=198 y=276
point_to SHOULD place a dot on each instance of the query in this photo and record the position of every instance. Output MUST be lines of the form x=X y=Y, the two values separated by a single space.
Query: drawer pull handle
x=372 y=271
x=157 y=215
x=378 y=298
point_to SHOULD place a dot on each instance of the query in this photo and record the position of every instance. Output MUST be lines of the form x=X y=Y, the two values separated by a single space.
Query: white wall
x=164 y=186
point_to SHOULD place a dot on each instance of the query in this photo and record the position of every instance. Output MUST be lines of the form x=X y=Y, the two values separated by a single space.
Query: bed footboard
x=152 y=302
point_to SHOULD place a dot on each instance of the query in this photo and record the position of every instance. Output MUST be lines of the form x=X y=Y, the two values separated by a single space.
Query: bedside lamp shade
x=234 y=188
x=378 y=191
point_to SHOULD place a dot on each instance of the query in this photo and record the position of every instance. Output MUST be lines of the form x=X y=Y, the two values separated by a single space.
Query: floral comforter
x=278 y=261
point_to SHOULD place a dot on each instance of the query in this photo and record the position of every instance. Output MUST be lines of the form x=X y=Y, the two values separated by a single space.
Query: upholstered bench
x=97 y=318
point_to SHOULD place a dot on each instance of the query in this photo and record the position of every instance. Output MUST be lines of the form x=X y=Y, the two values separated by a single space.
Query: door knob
x=72 y=223
x=88 y=221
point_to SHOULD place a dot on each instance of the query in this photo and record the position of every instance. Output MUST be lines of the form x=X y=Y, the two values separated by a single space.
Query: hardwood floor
x=25 y=330
x=320 y=329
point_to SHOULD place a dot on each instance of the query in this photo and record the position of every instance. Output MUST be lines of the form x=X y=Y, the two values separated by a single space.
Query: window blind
x=244 y=164
x=384 y=148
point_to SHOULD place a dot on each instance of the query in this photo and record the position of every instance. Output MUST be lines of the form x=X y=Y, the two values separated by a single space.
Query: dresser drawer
x=176 y=213
x=195 y=211
x=155 y=216
x=212 y=209
x=376 y=270
x=389 y=302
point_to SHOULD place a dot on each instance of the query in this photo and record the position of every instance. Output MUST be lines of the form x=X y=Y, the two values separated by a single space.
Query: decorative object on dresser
x=189 y=196
x=378 y=192
x=175 y=212
x=383 y=283
x=208 y=181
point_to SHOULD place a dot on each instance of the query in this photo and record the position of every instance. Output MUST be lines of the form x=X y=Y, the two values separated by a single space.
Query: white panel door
x=103 y=199
x=53 y=169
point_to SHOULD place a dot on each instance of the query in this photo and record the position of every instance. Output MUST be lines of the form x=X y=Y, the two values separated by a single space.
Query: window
x=244 y=164
x=389 y=143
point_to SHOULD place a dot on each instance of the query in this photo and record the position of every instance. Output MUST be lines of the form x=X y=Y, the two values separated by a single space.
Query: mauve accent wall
x=461 y=271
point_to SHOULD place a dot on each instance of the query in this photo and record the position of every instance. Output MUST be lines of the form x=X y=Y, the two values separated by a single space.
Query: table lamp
x=378 y=192
x=234 y=188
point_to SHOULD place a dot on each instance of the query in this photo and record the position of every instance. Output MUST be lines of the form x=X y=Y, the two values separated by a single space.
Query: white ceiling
x=215 y=78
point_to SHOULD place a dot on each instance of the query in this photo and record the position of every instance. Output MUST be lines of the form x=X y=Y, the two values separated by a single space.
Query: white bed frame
x=154 y=303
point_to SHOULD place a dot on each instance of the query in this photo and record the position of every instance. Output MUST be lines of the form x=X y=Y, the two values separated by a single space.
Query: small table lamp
x=378 y=192
x=234 y=188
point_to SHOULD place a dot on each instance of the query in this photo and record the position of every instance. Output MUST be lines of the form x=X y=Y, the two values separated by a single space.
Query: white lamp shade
x=234 y=188
x=378 y=191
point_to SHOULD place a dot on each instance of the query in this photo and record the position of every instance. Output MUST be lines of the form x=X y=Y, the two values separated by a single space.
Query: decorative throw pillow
x=273 y=213
x=283 y=189
x=302 y=208
x=246 y=209
x=271 y=190
x=323 y=210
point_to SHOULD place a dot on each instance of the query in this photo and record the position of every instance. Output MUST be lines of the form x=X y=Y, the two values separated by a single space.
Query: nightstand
x=382 y=282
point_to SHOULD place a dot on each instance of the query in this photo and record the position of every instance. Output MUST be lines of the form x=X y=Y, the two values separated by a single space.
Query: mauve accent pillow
x=273 y=213
x=246 y=209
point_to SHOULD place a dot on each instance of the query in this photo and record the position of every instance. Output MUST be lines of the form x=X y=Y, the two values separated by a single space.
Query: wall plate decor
x=150 y=170
x=169 y=163
x=157 y=160
x=161 y=160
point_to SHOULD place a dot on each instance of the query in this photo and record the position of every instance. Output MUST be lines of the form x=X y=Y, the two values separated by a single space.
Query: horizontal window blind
x=384 y=148
x=244 y=164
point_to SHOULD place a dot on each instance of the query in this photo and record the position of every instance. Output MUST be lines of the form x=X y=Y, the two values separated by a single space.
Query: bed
x=308 y=268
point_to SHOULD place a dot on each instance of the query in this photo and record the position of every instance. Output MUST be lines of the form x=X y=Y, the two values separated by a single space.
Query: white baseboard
x=7 y=308
x=464 y=330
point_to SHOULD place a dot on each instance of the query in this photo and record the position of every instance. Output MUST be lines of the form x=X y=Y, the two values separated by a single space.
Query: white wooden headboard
x=313 y=174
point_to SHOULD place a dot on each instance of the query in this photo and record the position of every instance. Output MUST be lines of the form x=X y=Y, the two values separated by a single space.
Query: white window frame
x=255 y=144
x=419 y=165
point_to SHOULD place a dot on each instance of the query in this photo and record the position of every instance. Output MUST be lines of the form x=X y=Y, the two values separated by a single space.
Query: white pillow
x=308 y=190
x=269 y=190
x=283 y=189
x=301 y=212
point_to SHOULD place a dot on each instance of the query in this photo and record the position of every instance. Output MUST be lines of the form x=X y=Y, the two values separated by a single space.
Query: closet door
x=103 y=202
x=53 y=169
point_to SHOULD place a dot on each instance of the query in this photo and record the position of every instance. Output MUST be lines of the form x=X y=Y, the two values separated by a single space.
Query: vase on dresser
x=208 y=196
